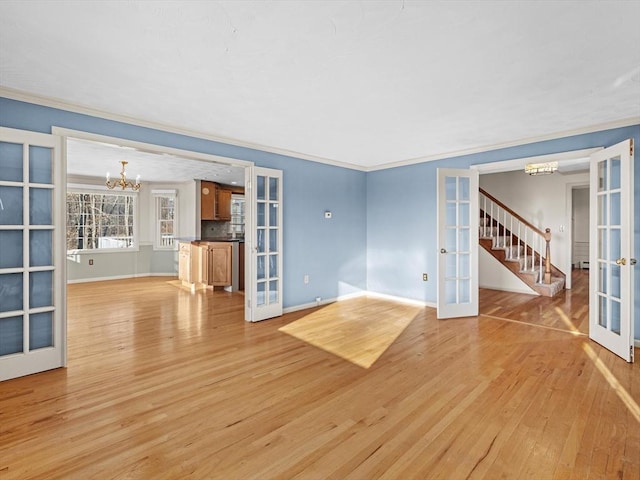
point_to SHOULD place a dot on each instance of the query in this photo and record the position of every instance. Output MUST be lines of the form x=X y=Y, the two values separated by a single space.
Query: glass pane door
x=611 y=249
x=457 y=243
x=31 y=328
x=267 y=244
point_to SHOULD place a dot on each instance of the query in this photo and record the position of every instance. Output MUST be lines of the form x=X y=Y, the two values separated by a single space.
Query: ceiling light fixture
x=122 y=182
x=541 y=168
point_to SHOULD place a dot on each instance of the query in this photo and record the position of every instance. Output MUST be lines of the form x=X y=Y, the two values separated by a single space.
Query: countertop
x=209 y=239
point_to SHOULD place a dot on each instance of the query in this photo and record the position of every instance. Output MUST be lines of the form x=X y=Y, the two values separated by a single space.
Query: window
x=166 y=219
x=237 y=215
x=101 y=221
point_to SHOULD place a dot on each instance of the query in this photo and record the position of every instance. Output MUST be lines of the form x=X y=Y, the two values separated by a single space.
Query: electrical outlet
x=306 y=279
x=425 y=277
x=91 y=261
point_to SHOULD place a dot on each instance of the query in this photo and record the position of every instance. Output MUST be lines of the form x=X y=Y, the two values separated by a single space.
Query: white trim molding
x=172 y=275
x=363 y=293
x=45 y=101
x=149 y=147
x=627 y=122
x=518 y=163
x=19 y=95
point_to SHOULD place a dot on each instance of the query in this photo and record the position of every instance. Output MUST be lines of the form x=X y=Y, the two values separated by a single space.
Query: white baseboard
x=408 y=301
x=363 y=293
x=121 y=277
x=324 y=301
x=511 y=290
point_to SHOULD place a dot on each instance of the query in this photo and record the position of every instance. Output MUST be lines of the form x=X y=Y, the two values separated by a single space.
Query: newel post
x=547 y=261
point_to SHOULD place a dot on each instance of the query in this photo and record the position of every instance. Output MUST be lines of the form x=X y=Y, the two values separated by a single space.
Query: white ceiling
x=95 y=159
x=366 y=83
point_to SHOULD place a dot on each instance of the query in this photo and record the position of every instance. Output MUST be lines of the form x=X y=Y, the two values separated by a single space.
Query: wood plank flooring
x=163 y=383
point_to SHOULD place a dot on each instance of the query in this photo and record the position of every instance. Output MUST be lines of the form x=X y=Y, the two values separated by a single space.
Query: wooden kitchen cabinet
x=205 y=264
x=184 y=263
x=207 y=200
x=219 y=264
x=222 y=206
x=215 y=202
x=201 y=274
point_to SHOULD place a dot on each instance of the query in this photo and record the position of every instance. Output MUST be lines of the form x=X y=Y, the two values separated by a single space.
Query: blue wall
x=382 y=236
x=401 y=215
x=331 y=252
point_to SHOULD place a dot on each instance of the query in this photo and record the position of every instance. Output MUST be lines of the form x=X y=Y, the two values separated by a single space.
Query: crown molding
x=518 y=163
x=23 y=96
x=45 y=101
x=627 y=122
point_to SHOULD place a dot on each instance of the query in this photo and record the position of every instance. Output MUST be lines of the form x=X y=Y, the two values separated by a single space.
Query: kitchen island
x=211 y=263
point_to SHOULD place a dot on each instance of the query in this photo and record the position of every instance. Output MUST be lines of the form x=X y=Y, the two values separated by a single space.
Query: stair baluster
x=540 y=259
x=525 y=248
x=511 y=239
x=529 y=241
x=547 y=263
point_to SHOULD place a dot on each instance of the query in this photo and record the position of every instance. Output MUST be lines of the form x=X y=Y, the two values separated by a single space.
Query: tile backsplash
x=215 y=229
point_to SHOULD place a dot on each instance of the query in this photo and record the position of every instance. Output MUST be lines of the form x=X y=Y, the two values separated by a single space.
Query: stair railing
x=529 y=240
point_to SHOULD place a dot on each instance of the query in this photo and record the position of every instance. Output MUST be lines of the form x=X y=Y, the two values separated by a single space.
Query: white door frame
x=160 y=149
x=519 y=163
x=154 y=148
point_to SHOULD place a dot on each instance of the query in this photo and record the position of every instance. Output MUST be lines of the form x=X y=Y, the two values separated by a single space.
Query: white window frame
x=93 y=190
x=241 y=216
x=156 y=195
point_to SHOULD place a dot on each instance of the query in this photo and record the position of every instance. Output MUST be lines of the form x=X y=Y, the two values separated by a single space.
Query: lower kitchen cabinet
x=201 y=253
x=210 y=264
x=219 y=264
x=184 y=263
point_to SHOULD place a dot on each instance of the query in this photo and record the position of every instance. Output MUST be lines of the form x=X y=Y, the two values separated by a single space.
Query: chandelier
x=122 y=182
x=541 y=168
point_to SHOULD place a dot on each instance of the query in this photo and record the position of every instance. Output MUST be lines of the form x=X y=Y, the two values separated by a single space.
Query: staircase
x=518 y=245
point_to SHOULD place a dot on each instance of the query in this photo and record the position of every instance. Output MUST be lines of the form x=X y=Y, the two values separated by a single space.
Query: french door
x=457 y=243
x=611 y=249
x=32 y=311
x=265 y=245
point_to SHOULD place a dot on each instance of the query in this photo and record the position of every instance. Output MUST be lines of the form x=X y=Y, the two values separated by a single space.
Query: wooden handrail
x=514 y=214
x=546 y=235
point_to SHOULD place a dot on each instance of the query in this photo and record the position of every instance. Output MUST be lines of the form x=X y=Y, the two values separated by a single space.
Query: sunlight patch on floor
x=622 y=393
x=572 y=330
x=358 y=331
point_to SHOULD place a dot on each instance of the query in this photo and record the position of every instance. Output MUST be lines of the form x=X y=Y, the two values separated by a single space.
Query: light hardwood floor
x=162 y=383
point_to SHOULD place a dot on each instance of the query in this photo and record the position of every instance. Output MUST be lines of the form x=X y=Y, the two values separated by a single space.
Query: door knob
x=442 y=250
x=621 y=261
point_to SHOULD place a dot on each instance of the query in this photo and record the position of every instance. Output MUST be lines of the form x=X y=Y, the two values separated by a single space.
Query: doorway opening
x=164 y=172
x=539 y=199
x=579 y=226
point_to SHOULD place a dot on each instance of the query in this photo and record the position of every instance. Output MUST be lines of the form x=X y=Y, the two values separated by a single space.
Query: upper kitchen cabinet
x=222 y=205
x=215 y=202
x=207 y=196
